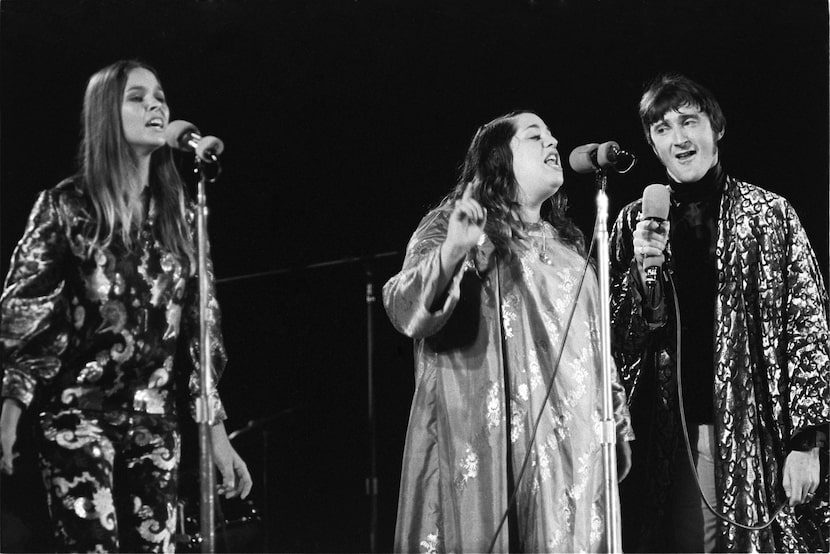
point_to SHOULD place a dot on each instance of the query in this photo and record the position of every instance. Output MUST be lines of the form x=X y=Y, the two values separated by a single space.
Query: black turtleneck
x=694 y=216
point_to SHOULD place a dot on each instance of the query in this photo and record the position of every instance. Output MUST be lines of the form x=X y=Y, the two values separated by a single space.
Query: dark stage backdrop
x=344 y=121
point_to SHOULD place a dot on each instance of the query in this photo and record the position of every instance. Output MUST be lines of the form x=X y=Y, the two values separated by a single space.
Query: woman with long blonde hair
x=101 y=292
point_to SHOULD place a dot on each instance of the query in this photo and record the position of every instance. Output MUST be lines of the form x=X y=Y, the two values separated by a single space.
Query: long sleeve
x=622 y=416
x=410 y=296
x=629 y=328
x=806 y=331
x=190 y=334
x=35 y=327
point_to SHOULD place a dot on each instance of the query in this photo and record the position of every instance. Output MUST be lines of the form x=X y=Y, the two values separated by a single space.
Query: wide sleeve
x=35 y=327
x=629 y=328
x=806 y=331
x=190 y=335
x=414 y=305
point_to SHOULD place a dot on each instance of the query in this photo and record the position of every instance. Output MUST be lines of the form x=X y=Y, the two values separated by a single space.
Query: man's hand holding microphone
x=651 y=235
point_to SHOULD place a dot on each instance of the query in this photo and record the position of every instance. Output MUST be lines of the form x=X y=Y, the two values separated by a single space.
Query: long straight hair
x=107 y=162
x=489 y=160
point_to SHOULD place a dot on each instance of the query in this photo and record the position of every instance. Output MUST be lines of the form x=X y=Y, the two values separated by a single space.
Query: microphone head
x=176 y=134
x=583 y=159
x=656 y=202
x=209 y=147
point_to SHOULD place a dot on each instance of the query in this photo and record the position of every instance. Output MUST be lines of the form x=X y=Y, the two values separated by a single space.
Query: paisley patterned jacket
x=97 y=328
x=771 y=365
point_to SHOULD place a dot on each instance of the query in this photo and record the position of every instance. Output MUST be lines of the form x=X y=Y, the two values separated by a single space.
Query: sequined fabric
x=89 y=337
x=771 y=369
x=82 y=472
x=97 y=329
x=484 y=356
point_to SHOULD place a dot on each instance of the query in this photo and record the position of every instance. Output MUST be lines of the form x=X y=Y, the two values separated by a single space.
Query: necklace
x=543 y=253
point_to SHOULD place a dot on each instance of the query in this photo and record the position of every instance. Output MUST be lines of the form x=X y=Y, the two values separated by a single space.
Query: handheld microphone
x=183 y=135
x=656 y=208
x=592 y=157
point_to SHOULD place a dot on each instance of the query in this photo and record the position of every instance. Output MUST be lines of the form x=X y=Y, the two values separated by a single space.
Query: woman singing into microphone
x=101 y=291
x=490 y=291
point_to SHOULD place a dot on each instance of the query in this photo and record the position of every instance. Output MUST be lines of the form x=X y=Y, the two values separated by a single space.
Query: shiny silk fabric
x=97 y=328
x=480 y=382
x=771 y=368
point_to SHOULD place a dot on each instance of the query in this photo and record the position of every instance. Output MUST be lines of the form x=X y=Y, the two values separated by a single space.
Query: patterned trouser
x=111 y=480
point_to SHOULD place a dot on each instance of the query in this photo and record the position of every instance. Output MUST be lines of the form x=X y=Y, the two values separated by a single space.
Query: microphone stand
x=372 y=478
x=264 y=424
x=609 y=434
x=207 y=479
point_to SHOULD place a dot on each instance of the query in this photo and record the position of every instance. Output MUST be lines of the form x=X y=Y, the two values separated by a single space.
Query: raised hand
x=466 y=225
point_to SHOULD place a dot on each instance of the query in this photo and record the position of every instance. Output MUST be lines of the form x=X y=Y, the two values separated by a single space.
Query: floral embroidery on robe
x=472 y=398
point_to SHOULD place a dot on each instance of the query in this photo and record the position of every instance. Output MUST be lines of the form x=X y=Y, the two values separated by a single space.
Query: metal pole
x=372 y=480
x=207 y=477
x=609 y=434
x=266 y=539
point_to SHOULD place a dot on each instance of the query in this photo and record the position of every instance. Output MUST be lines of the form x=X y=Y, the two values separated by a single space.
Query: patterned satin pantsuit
x=85 y=454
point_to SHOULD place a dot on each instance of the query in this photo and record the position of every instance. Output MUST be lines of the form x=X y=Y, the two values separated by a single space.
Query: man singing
x=750 y=354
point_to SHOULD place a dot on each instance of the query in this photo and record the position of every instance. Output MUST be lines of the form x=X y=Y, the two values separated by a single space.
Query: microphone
x=655 y=208
x=592 y=157
x=583 y=159
x=183 y=135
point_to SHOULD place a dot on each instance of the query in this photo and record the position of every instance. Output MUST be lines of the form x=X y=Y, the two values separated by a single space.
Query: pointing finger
x=471 y=209
x=470 y=190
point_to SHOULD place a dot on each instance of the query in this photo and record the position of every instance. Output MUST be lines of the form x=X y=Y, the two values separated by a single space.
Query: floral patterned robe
x=771 y=368
x=481 y=381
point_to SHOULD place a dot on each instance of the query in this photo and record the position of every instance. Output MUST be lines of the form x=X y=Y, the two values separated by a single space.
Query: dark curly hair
x=489 y=161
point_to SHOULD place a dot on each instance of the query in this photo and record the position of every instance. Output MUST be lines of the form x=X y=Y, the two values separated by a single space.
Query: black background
x=344 y=121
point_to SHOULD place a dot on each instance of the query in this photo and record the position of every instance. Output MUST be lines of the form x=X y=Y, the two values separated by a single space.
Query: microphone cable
x=757 y=527
x=512 y=500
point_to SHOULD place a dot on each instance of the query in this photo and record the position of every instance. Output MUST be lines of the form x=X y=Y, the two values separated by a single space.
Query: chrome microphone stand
x=372 y=480
x=204 y=421
x=608 y=433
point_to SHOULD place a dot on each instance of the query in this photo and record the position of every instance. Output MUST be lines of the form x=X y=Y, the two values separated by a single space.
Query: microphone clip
x=596 y=158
